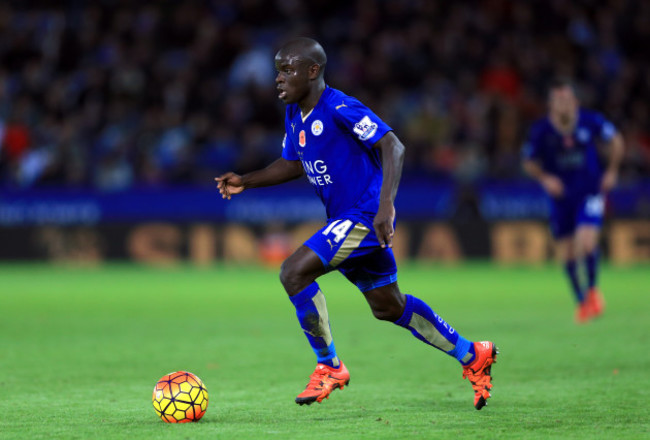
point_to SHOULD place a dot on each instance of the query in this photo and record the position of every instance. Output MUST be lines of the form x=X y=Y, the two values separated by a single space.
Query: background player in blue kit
x=562 y=154
x=354 y=161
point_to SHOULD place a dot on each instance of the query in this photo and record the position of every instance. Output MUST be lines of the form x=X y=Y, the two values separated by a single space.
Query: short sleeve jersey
x=573 y=158
x=335 y=144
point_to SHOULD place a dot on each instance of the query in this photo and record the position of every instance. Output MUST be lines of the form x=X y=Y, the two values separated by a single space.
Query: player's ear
x=314 y=71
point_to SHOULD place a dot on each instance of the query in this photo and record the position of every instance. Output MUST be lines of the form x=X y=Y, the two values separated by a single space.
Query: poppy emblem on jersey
x=568 y=141
x=302 y=138
x=317 y=127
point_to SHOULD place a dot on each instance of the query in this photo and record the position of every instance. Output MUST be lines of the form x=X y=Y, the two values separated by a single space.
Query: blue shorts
x=352 y=248
x=566 y=216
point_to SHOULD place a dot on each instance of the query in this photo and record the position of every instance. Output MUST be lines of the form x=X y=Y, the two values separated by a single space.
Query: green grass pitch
x=81 y=349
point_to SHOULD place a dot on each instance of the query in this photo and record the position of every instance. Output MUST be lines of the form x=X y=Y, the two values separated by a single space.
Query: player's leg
x=587 y=239
x=389 y=304
x=375 y=274
x=563 y=226
x=567 y=253
x=298 y=276
x=565 y=250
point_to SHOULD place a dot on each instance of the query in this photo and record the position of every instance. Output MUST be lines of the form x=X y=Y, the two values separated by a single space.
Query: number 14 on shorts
x=338 y=228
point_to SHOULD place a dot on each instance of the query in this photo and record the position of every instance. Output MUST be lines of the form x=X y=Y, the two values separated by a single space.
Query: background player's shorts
x=353 y=249
x=566 y=216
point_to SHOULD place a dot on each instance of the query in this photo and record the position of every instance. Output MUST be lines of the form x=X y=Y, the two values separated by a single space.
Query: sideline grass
x=80 y=351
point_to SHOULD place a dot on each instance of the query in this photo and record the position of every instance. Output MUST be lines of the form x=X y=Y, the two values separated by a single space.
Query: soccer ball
x=180 y=397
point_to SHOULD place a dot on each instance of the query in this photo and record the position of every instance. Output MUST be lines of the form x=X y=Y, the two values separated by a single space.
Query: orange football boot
x=584 y=312
x=322 y=382
x=478 y=372
x=596 y=302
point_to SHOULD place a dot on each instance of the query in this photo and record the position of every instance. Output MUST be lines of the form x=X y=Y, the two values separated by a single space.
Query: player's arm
x=531 y=157
x=280 y=171
x=392 y=159
x=616 y=148
x=551 y=183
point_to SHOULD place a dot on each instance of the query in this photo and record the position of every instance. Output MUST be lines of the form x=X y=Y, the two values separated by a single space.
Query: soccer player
x=561 y=153
x=353 y=160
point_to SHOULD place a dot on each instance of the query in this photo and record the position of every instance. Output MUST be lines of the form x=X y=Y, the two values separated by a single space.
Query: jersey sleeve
x=531 y=149
x=604 y=129
x=359 y=120
x=288 y=151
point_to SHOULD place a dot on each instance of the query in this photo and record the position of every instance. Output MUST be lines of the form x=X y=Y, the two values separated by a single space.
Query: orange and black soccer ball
x=180 y=397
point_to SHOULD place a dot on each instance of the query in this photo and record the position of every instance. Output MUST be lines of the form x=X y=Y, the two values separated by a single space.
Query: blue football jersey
x=335 y=144
x=573 y=158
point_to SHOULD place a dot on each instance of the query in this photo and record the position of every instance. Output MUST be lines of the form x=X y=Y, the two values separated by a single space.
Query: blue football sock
x=314 y=320
x=572 y=273
x=430 y=328
x=592 y=268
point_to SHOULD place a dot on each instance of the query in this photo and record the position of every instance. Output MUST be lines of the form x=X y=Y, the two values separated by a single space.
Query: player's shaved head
x=304 y=49
x=300 y=64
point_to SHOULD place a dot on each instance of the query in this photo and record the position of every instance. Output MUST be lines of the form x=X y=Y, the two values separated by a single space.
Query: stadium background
x=115 y=116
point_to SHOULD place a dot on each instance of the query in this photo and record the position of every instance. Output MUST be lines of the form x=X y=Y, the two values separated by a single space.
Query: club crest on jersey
x=317 y=127
x=583 y=135
x=365 y=128
x=302 y=138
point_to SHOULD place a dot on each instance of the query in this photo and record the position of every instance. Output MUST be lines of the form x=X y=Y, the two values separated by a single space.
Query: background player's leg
x=389 y=304
x=587 y=237
x=298 y=275
x=565 y=250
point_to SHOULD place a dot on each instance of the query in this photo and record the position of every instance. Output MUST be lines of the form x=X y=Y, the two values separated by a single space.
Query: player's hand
x=553 y=185
x=229 y=184
x=609 y=181
x=383 y=224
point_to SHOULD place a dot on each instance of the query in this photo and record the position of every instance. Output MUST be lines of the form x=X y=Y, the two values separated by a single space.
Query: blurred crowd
x=119 y=94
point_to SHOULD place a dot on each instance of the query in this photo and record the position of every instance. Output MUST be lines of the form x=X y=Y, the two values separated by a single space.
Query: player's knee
x=390 y=314
x=287 y=274
x=387 y=303
x=387 y=311
x=589 y=248
x=292 y=278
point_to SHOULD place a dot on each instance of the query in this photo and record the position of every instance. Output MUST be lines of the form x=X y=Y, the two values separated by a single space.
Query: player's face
x=293 y=77
x=563 y=103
